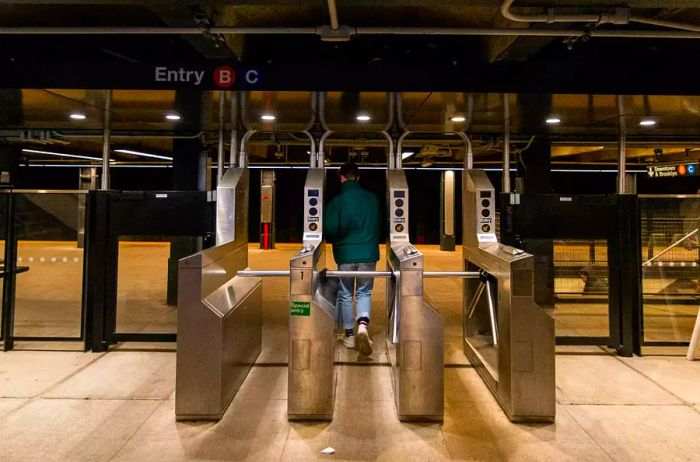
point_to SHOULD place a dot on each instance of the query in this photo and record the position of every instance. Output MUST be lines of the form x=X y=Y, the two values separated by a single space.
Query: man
x=353 y=225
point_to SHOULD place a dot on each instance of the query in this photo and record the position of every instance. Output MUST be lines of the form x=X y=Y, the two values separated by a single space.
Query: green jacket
x=352 y=222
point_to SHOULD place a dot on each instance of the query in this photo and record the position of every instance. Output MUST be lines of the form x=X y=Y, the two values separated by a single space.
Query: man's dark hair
x=350 y=171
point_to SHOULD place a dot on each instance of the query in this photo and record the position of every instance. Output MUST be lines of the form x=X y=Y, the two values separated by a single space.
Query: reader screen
x=313 y=192
x=483 y=194
x=399 y=193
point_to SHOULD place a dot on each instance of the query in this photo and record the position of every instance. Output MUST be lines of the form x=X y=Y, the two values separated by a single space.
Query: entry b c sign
x=225 y=76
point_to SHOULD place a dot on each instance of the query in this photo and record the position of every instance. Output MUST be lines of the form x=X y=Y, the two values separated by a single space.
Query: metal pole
x=106 y=140
x=399 y=150
x=469 y=152
x=506 y=143
x=233 y=154
x=322 y=149
x=621 y=146
x=220 y=153
x=243 y=155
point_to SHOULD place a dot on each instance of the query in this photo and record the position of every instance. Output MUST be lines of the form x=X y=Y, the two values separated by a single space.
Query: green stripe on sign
x=300 y=309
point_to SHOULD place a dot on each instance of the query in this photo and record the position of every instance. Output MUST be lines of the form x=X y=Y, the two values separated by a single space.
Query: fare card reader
x=414 y=328
x=311 y=388
x=507 y=336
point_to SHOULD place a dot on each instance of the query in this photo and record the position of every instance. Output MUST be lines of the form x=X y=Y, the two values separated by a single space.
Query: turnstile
x=414 y=328
x=311 y=385
x=507 y=336
x=219 y=313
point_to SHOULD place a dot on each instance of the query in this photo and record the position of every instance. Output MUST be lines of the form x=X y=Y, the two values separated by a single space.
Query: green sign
x=300 y=309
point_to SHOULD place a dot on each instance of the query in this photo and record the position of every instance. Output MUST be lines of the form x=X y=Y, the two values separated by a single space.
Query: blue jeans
x=346 y=290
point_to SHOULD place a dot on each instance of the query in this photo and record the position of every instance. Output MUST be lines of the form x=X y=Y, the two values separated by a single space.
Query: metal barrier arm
x=360 y=274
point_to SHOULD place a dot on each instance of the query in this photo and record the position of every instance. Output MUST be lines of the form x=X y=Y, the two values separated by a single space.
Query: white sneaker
x=364 y=344
x=349 y=342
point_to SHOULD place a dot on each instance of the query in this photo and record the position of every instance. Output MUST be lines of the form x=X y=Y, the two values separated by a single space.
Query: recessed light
x=363 y=117
x=173 y=117
x=78 y=116
x=553 y=120
x=406 y=154
x=267 y=117
x=647 y=123
x=457 y=119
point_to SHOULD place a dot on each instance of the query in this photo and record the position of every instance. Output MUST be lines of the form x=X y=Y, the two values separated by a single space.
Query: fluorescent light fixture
x=59 y=154
x=457 y=119
x=553 y=120
x=647 y=123
x=78 y=116
x=363 y=117
x=406 y=155
x=173 y=117
x=142 y=154
x=268 y=117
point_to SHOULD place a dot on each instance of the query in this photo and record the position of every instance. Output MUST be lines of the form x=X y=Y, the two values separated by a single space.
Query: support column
x=447 y=211
x=190 y=173
x=535 y=177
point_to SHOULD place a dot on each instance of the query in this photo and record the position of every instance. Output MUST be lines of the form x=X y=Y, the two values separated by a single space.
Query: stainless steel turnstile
x=311 y=388
x=414 y=328
x=219 y=314
x=507 y=336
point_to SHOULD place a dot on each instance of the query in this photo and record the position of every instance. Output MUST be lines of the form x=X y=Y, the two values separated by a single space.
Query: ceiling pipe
x=664 y=23
x=620 y=17
x=319 y=31
x=333 y=14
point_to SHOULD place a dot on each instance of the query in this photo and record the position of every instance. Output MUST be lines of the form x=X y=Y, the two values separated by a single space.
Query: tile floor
x=119 y=405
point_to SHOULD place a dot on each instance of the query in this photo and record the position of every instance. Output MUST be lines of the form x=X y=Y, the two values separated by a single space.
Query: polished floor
x=119 y=405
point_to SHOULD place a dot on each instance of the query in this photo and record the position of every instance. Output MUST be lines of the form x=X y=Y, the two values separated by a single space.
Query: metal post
x=399 y=150
x=233 y=154
x=468 y=151
x=506 y=143
x=322 y=149
x=243 y=155
x=621 y=146
x=220 y=153
x=106 y=140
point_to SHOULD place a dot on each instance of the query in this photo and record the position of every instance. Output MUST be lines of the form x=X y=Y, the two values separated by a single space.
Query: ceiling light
x=173 y=117
x=59 y=154
x=363 y=117
x=406 y=155
x=142 y=154
x=647 y=123
x=457 y=119
x=553 y=120
x=78 y=116
x=267 y=117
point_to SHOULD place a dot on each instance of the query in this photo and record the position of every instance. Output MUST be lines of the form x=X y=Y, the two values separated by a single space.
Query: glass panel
x=48 y=301
x=581 y=288
x=142 y=286
x=670 y=270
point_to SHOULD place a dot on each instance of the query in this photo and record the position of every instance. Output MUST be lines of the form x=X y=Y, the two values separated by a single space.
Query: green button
x=300 y=309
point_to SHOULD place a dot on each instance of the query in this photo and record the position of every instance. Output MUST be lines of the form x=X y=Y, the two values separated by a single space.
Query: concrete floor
x=119 y=405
